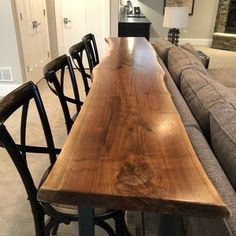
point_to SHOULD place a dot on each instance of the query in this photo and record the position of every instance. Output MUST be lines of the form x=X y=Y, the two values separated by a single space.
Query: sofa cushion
x=217 y=227
x=191 y=49
x=202 y=95
x=223 y=138
x=162 y=46
x=179 y=60
x=188 y=47
x=225 y=76
x=233 y=90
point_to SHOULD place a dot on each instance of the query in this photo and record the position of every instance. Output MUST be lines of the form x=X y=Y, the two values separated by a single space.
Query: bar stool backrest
x=54 y=73
x=22 y=98
x=91 y=50
x=76 y=53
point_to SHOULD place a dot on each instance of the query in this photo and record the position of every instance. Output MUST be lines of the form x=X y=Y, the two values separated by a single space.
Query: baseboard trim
x=201 y=42
x=7 y=88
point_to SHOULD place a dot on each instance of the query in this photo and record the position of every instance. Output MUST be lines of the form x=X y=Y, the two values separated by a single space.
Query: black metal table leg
x=171 y=225
x=86 y=224
x=139 y=224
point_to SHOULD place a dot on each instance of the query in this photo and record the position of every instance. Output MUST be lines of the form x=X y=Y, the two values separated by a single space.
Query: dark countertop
x=133 y=19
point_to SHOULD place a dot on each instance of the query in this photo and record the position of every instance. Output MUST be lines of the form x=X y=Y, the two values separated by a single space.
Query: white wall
x=114 y=17
x=9 y=53
x=52 y=28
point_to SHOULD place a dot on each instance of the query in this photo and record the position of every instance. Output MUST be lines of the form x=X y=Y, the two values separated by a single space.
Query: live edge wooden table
x=128 y=148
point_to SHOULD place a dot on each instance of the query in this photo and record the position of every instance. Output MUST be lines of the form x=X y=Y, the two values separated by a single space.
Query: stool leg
x=86 y=222
x=119 y=223
x=54 y=229
x=171 y=225
x=139 y=224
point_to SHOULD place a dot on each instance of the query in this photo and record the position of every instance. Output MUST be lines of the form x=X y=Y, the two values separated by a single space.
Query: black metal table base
x=171 y=225
x=86 y=224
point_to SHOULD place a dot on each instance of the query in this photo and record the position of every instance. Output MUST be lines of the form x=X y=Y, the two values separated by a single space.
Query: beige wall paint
x=9 y=56
x=201 y=24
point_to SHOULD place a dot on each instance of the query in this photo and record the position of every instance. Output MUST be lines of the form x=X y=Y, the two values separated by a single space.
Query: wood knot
x=134 y=174
x=130 y=129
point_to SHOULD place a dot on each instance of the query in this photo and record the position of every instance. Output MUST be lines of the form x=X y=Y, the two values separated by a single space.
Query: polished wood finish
x=128 y=148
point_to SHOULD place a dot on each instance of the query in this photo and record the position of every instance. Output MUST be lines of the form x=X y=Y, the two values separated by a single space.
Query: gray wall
x=201 y=24
x=9 y=53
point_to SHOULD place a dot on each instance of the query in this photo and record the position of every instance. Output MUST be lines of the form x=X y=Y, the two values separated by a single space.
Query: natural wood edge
x=132 y=203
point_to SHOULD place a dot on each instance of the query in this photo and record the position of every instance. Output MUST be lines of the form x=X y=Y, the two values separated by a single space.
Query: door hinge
x=44 y=12
x=28 y=69
x=21 y=16
x=48 y=54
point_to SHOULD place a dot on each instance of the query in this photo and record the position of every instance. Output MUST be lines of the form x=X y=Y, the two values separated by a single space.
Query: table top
x=128 y=148
x=133 y=19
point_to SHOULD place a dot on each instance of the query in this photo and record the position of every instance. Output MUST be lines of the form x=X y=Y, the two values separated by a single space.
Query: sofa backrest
x=162 y=46
x=214 y=107
x=212 y=104
x=179 y=59
x=223 y=138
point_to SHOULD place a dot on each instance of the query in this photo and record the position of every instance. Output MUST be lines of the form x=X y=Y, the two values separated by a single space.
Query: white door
x=70 y=21
x=33 y=27
x=75 y=18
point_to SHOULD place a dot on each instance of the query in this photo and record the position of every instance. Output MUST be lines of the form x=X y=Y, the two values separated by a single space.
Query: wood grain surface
x=128 y=148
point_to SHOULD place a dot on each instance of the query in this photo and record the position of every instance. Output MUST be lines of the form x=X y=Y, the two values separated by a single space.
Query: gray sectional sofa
x=208 y=111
